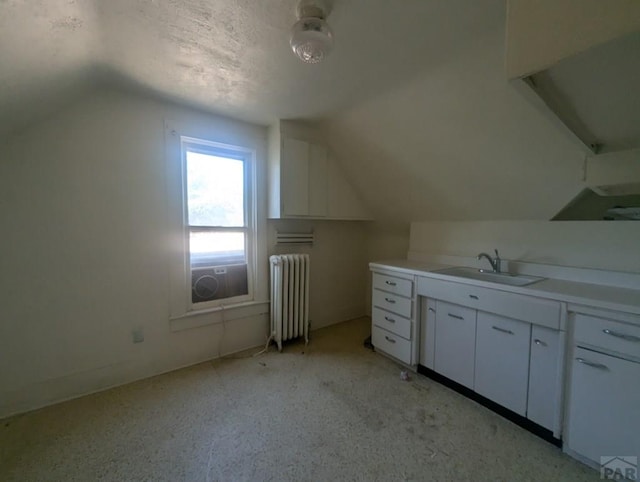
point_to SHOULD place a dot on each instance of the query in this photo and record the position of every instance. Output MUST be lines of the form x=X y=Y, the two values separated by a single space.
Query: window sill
x=217 y=315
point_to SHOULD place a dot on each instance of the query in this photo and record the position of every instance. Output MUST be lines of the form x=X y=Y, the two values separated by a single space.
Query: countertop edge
x=597 y=296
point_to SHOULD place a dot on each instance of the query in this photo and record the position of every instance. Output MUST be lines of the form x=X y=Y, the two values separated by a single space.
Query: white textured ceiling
x=228 y=56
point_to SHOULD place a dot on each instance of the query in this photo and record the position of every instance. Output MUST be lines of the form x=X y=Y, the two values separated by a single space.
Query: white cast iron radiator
x=289 y=297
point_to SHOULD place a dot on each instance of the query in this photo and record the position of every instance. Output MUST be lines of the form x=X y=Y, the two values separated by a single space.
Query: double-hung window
x=219 y=223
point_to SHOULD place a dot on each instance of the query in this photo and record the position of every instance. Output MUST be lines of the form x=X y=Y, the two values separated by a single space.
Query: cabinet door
x=428 y=332
x=604 y=408
x=294 y=188
x=543 y=404
x=455 y=342
x=502 y=360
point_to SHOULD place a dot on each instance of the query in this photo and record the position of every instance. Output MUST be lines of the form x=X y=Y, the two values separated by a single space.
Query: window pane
x=216 y=249
x=215 y=190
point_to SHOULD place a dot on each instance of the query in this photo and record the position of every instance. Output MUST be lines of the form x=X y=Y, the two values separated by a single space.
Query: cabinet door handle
x=599 y=366
x=455 y=316
x=390 y=283
x=389 y=300
x=539 y=342
x=432 y=310
x=474 y=297
x=390 y=320
x=622 y=335
x=390 y=340
x=502 y=330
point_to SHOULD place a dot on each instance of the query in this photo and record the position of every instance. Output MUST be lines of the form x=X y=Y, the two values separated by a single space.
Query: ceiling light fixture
x=311 y=37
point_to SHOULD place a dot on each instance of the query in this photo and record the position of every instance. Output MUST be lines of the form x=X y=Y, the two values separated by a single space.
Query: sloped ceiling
x=597 y=93
x=414 y=98
x=458 y=142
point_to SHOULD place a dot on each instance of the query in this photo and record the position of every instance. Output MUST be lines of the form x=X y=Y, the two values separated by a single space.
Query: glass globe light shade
x=311 y=39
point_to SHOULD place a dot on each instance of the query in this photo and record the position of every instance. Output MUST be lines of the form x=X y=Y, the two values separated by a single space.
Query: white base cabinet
x=604 y=399
x=455 y=344
x=502 y=361
x=392 y=317
x=604 y=408
x=510 y=352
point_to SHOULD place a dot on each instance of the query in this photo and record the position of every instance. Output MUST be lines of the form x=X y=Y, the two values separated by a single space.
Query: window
x=219 y=226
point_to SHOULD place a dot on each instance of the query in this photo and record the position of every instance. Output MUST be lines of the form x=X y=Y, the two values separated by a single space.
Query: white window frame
x=250 y=223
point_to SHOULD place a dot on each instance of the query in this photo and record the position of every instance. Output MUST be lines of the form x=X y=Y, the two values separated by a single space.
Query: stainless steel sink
x=501 y=278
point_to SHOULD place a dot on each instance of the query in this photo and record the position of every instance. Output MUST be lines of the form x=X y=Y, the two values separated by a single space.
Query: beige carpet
x=329 y=411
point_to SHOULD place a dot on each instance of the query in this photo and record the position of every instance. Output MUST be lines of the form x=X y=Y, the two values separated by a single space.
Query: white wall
x=86 y=247
x=542 y=32
x=584 y=244
x=338 y=266
x=385 y=242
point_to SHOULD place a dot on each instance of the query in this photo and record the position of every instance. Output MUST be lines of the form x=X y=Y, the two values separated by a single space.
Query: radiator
x=289 y=297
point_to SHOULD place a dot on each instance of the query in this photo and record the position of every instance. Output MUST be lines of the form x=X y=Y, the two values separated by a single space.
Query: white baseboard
x=75 y=385
x=336 y=315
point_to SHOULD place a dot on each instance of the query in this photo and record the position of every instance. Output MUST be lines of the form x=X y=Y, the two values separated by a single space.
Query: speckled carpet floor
x=330 y=411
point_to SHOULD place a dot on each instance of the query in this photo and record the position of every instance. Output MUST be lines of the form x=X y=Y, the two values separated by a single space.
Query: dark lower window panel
x=216 y=283
x=516 y=418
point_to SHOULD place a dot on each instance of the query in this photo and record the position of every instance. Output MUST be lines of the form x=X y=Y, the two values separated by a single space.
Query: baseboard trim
x=95 y=380
x=338 y=315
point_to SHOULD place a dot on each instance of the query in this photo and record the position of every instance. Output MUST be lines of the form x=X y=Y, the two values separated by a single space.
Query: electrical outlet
x=137 y=335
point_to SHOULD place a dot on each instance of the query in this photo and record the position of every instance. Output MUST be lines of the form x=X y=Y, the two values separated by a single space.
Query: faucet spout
x=494 y=262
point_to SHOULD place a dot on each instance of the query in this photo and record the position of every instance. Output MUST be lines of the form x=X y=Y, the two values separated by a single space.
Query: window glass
x=211 y=248
x=215 y=190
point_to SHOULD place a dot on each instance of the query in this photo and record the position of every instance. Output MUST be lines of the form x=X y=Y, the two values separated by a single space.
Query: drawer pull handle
x=502 y=330
x=390 y=340
x=432 y=310
x=455 y=316
x=474 y=297
x=389 y=300
x=390 y=283
x=599 y=366
x=390 y=320
x=539 y=342
x=621 y=335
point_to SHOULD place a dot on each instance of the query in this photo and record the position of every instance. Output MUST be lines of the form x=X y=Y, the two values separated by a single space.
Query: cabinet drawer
x=535 y=310
x=392 y=344
x=394 y=303
x=392 y=322
x=607 y=334
x=398 y=286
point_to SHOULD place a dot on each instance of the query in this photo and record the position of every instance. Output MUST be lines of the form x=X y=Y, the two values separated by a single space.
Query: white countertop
x=592 y=295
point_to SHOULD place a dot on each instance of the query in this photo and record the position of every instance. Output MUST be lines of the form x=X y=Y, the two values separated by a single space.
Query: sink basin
x=501 y=278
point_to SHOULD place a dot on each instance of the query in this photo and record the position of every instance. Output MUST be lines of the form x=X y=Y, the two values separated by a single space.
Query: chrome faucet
x=495 y=263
